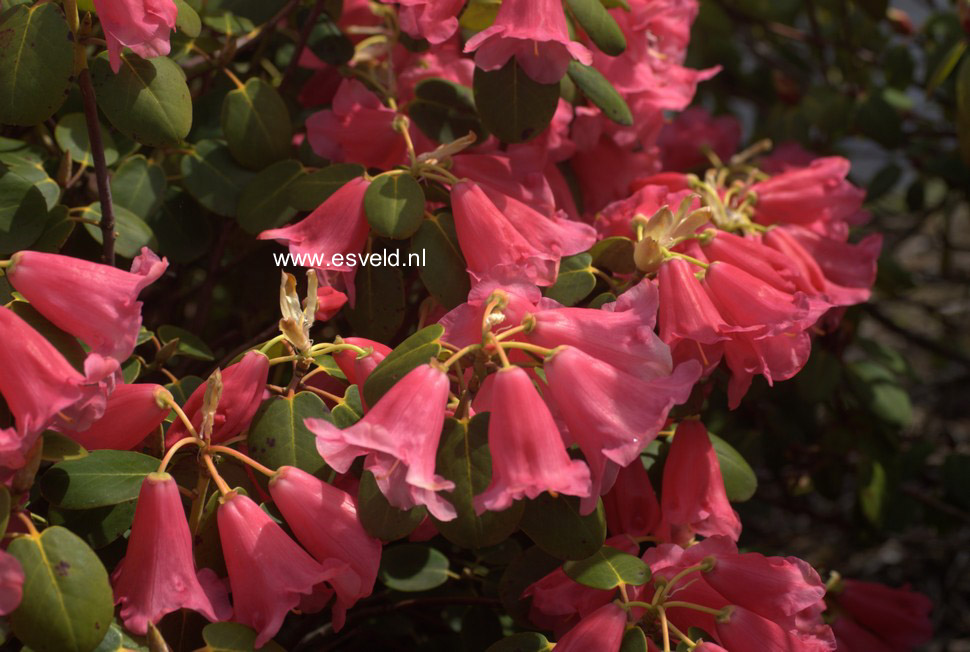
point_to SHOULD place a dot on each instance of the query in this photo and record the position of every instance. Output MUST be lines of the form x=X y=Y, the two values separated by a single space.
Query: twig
x=311 y=21
x=100 y=167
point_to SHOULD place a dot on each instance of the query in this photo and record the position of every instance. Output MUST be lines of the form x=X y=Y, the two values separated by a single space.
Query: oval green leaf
x=67 y=604
x=71 y=134
x=394 y=204
x=740 y=482
x=575 y=280
x=556 y=526
x=105 y=477
x=98 y=527
x=131 y=232
x=512 y=105
x=23 y=212
x=36 y=63
x=148 y=100
x=413 y=567
x=634 y=640
x=444 y=110
x=278 y=437
x=29 y=164
x=443 y=273
x=599 y=25
x=607 y=569
x=381 y=303
x=256 y=124
x=211 y=175
x=182 y=227
x=311 y=190
x=190 y=345
x=187 y=22
x=416 y=350
x=139 y=186
x=233 y=637
x=58 y=448
x=379 y=517
x=265 y=201
x=521 y=642
x=600 y=92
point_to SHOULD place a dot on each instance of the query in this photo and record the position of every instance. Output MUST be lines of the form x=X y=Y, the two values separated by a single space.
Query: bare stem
x=100 y=167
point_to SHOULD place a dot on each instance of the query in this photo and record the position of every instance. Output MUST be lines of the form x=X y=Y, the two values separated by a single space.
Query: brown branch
x=100 y=167
x=311 y=21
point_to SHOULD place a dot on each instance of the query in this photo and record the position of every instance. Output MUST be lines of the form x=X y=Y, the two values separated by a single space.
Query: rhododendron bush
x=443 y=325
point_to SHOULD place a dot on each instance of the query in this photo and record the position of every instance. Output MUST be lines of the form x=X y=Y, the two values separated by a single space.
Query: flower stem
x=181 y=414
x=690 y=605
x=214 y=474
x=664 y=628
x=100 y=167
x=682 y=635
x=28 y=524
x=525 y=346
x=266 y=347
x=242 y=457
x=171 y=451
x=460 y=354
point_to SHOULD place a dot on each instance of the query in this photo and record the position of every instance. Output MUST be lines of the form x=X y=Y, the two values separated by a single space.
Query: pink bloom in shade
x=131 y=414
x=491 y=243
x=268 y=572
x=602 y=631
x=690 y=323
x=11 y=583
x=94 y=302
x=42 y=389
x=535 y=33
x=754 y=257
x=776 y=357
x=786 y=156
x=243 y=384
x=754 y=306
x=358 y=369
x=743 y=629
x=307 y=502
x=631 y=505
x=400 y=437
x=612 y=415
x=850 y=636
x=357 y=128
x=693 y=496
x=329 y=302
x=157 y=575
x=606 y=170
x=528 y=456
x=683 y=141
x=337 y=226
x=899 y=617
x=817 y=193
x=434 y=20
x=620 y=334
x=142 y=25
x=510 y=176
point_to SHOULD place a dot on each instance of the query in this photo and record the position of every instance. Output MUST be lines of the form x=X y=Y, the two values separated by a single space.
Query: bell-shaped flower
x=269 y=573
x=399 y=436
x=528 y=455
x=243 y=385
x=11 y=583
x=132 y=413
x=816 y=193
x=690 y=323
x=355 y=368
x=307 y=502
x=535 y=33
x=743 y=629
x=850 y=636
x=900 y=617
x=43 y=390
x=612 y=415
x=337 y=226
x=507 y=175
x=749 y=303
x=94 y=302
x=693 y=497
x=685 y=141
x=490 y=242
x=433 y=20
x=631 y=505
x=142 y=25
x=157 y=575
x=602 y=631
x=463 y=325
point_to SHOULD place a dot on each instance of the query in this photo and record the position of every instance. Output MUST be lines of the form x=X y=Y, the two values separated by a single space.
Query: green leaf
x=413 y=567
x=233 y=637
x=58 y=229
x=310 y=190
x=58 y=448
x=394 y=204
x=416 y=350
x=187 y=22
x=556 y=526
x=880 y=393
x=521 y=642
x=67 y=603
x=211 y=175
x=464 y=458
x=277 y=436
x=443 y=273
x=575 y=280
x=479 y=15
x=740 y=482
x=257 y=124
x=98 y=527
x=599 y=25
x=148 y=100
x=139 y=186
x=226 y=22
x=873 y=493
x=513 y=106
x=379 y=517
x=946 y=66
x=36 y=63
x=131 y=370
x=4 y=508
x=182 y=228
x=350 y=410
x=329 y=43
x=190 y=345
x=105 y=477
x=265 y=201
x=445 y=111
x=600 y=92
x=634 y=640
x=614 y=254
x=381 y=303
x=183 y=389
x=71 y=134
x=608 y=568
x=131 y=232
x=30 y=165
x=23 y=212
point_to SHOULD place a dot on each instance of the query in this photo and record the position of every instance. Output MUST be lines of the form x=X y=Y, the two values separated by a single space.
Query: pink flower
x=755 y=306
x=612 y=415
x=329 y=302
x=268 y=572
x=528 y=456
x=358 y=369
x=774 y=587
x=743 y=629
x=11 y=583
x=693 y=496
x=683 y=141
x=898 y=617
x=853 y=637
x=307 y=502
x=690 y=323
x=243 y=384
x=157 y=575
x=514 y=177
x=535 y=33
x=132 y=413
x=94 y=302
x=142 y=25
x=602 y=631
x=43 y=390
x=357 y=128
x=631 y=505
x=492 y=244
x=434 y=20
x=463 y=324
x=400 y=437
x=817 y=193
